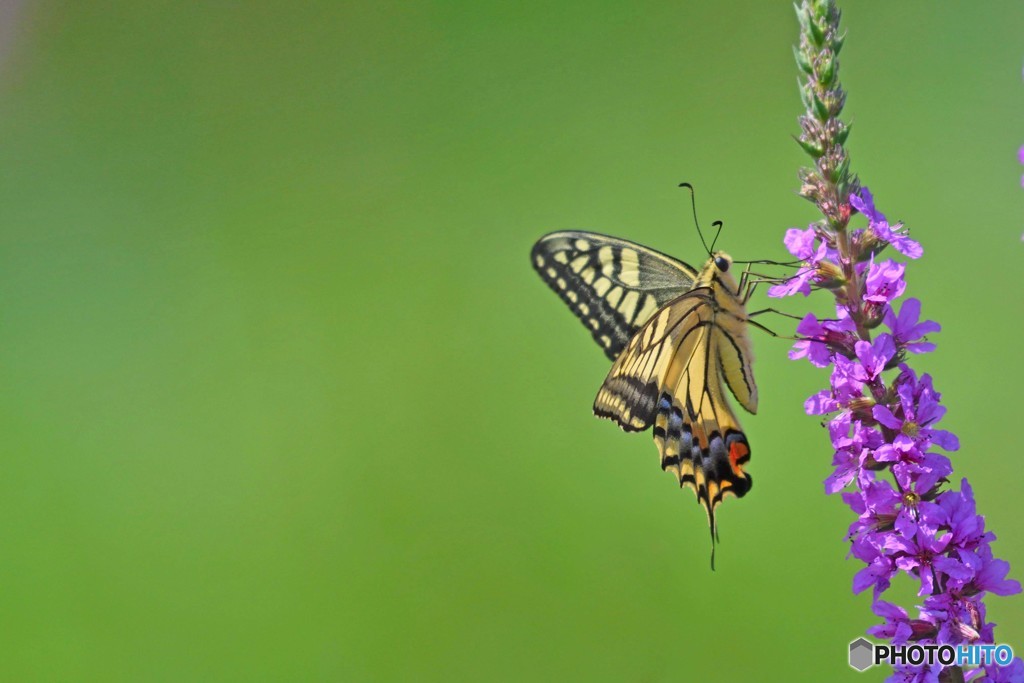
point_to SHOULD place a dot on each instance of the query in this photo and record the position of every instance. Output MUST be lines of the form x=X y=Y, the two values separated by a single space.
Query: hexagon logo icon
x=861 y=654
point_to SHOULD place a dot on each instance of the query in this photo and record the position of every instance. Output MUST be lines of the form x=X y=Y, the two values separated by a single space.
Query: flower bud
x=826 y=71
x=828 y=275
x=870 y=245
x=812 y=148
x=802 y=61
x=874 y=313
x=861 y=408
x=922 y=629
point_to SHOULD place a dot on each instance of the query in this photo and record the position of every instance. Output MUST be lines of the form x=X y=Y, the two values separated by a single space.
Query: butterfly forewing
x=612 y=285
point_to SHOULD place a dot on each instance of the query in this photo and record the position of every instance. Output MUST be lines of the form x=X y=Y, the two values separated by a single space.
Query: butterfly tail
x=707 y=462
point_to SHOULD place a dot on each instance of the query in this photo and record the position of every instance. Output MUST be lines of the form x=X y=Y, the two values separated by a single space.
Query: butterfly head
x=722 y=261
x=716 y=270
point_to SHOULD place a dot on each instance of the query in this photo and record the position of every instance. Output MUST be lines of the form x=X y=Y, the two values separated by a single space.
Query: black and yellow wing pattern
x=613 y=286
x=673 y=357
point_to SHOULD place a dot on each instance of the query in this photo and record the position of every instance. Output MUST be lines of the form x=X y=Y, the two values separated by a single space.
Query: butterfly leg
x=769 y=331
x=743 y=285
x=773 y=310
x=765 y=329
x=749 y=282
x=769 y=262
x=758 y=325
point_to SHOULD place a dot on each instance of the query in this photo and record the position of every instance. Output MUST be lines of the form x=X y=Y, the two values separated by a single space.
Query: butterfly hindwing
x=612 y=285
x=735 y=359
x=697 y=434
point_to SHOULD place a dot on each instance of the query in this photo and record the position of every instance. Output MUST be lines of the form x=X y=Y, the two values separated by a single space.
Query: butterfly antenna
x=717 y=233
x=693 y=204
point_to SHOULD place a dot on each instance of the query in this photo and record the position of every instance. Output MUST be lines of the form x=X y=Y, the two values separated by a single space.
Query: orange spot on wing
x=737 y=451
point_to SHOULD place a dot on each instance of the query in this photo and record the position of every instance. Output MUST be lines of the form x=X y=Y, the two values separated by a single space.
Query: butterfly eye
x=722 y=264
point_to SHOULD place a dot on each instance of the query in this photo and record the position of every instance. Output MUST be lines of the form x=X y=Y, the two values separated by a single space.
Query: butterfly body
x=677 y=336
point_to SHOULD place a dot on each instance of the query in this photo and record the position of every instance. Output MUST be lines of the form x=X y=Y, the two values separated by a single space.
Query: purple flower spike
x=886 y=417
x=854 y=443
x=884 y=425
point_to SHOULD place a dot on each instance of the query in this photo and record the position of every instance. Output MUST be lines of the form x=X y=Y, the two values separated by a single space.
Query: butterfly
x=677 y=337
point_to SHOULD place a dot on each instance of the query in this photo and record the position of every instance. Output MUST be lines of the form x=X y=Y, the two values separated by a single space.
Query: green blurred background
x=283 y=400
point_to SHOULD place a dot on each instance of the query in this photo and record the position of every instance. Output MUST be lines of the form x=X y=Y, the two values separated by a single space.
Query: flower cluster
x=884 y=428
x=885 y=435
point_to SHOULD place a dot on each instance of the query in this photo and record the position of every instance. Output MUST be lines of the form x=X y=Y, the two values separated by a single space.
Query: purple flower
x=880 y=229
x=920 y=410
x=899 y=239
x=874 y=357
x=966 y=526
x=865 y=203
x=820 y=403
x=897 y=624
x=798 y=284
x=800 y=243
x=884 y=282
x=906 y=329
x=992 y=578
x=1014 y=673
x=924 y=555
x=816 y=351
x=847 y=379
x=851 y=450
x=915 y=674
x=823 y=337
x=879 y=571
x=818 y=269
x=881 y=503
x=1020 y=157
x=920 y=473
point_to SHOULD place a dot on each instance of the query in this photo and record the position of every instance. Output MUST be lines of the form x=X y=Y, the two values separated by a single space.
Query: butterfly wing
x=612 y=285
x=670 y=376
